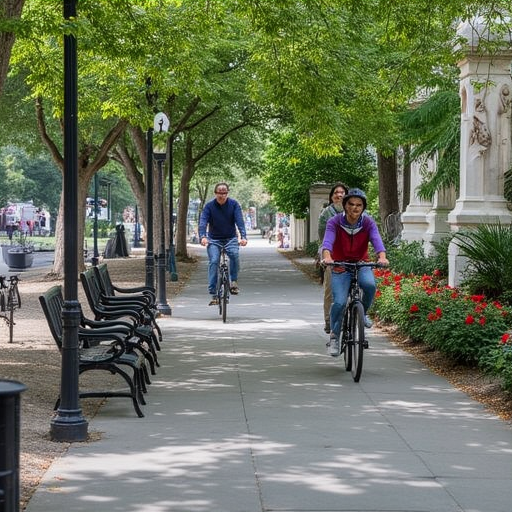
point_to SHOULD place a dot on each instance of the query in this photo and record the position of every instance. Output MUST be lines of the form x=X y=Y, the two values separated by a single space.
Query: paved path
x=253 y=416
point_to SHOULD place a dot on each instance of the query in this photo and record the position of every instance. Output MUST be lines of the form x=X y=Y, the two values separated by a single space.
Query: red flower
x=481 y=320
x=378 y=293
x=497 y=305
x=470 y=319
x=477 y=298
x=431 y=317
x=454 y=295
x=436 y=272
x=439 y=313
x=414 y=308
x=505 y=338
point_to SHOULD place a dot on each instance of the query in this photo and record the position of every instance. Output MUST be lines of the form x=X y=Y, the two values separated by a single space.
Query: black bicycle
x=10 y=300
x=223 y=284
x=353 y=341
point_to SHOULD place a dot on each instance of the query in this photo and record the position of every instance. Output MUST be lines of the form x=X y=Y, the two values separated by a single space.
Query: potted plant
x=20 y=254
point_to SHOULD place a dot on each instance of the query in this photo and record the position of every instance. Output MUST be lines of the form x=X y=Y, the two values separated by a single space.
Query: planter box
x=17 y=258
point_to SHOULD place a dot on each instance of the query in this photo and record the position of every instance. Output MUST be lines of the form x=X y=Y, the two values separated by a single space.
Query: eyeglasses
x=222 y=193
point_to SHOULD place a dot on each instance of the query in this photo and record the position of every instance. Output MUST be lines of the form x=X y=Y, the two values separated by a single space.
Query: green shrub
x=488 y=248
x=311 y=248
x=498 y=361
x=464 y=327
x=409 y=258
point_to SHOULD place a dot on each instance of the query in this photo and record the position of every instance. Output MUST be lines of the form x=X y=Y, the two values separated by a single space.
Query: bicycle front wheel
x=346 y=343
x=357 y=330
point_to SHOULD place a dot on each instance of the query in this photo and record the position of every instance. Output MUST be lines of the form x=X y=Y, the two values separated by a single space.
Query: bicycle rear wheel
x=357 y=330
x=220 y=294
x=225 y=298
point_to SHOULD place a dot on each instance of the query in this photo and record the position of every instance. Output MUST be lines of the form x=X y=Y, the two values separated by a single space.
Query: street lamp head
x=161 y=123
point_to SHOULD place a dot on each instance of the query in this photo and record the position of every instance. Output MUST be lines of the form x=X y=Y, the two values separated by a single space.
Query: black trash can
x=10 y=391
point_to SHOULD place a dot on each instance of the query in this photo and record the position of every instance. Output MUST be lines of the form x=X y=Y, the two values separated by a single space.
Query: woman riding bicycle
x=347 y=236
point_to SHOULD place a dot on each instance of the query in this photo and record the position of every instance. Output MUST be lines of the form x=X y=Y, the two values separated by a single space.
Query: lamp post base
x=162 y=305
x=163 y=309
x=68 y=427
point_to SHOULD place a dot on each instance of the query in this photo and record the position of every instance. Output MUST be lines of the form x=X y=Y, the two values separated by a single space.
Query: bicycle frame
x=352 y=335
x=223 y=280
x=9 y=301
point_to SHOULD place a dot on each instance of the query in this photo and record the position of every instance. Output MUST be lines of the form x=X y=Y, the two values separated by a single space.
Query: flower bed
x=467 y=328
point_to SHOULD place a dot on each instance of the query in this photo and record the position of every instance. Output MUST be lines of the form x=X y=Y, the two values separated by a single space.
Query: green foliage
x=498 y=361
x=23 y=176
x=464 y=327
x=290 y=169
x=105 y=228
x=488 y=248
x=409 y=258
x=311 y=248
x=433 y=128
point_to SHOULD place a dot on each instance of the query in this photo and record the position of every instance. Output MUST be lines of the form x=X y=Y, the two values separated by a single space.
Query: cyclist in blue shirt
x=218 y=225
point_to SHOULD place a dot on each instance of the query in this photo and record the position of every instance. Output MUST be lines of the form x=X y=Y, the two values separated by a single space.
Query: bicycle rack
x=9 y=301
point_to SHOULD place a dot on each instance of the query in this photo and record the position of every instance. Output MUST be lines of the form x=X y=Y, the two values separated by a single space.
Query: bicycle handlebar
x=356 y=264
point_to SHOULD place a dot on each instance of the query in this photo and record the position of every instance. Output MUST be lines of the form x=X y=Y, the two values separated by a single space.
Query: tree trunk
x=388 y=192
x=9 y=10
x=135 y=178
x=181 y=228
x=90 y=160
x=60 y=253
x=406 y=179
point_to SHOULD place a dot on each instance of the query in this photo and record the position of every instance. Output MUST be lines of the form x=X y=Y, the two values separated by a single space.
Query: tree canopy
x=290 y=169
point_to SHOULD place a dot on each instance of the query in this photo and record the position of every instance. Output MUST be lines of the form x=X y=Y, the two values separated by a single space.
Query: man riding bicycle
x=222 y=216
x=347 y=236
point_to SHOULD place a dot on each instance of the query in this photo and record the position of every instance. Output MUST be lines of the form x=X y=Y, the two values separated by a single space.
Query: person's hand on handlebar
x=382 y=260
x=326 y=257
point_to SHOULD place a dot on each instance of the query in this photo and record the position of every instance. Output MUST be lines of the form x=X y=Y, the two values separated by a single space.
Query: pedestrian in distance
x=222 y=225
x=347 y=238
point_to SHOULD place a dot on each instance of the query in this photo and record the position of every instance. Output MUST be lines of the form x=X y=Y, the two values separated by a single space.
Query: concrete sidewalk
x=254 y=416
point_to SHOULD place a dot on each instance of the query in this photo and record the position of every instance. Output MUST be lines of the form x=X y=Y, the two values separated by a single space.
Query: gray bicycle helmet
x=355 y=192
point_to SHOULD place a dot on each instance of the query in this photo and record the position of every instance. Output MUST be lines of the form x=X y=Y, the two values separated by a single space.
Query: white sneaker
x=334 y=345
x=367 y=322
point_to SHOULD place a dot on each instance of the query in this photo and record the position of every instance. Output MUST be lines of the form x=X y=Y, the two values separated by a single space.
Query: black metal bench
x=99 y=350
x=107 y=307
x=108 y=288
x=144 y=296
x=142 y=323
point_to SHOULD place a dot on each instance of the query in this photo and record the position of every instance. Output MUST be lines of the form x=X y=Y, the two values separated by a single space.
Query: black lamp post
x=69 y=424
x=136 y=231
x=173 y=273
x=161 y=125
x=95 y=257
x=150 y=259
